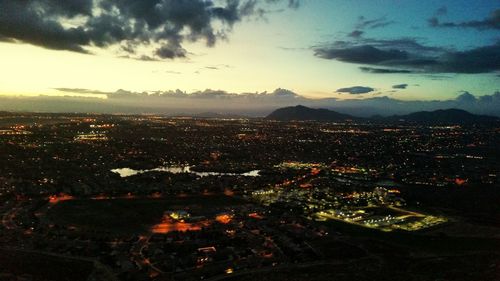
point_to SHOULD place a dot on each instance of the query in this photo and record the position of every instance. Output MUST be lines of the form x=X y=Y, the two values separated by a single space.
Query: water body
x=127 y=172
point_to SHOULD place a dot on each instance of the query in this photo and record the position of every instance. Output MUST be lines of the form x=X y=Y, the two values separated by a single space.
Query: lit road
x=8 y=217
x=281 y=267
x=139 y=258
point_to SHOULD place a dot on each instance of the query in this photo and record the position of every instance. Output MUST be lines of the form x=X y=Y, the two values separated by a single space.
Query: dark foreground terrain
x=105 y=197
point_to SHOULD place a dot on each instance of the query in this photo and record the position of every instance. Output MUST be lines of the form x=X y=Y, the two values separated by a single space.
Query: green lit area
x=377 y=208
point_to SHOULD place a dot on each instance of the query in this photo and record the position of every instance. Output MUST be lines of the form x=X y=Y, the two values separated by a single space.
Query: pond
x=127 y=172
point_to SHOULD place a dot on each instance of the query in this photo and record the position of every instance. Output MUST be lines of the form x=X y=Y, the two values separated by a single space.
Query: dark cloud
x=409 y=44
x=293 y=4
x=145 y=58
x=491 y=22
x=28 y=21
x=437 y=76
x=5 y=39
x=140 y=58
x=213 y=67
x=383 y=70
x=162 y=25
x=373 y=23
x=170 y=51
x=81 y=91
x=356 y=90
x=356 y=33
x=364 y=24
x=441 y=11
x=365 y=54
x=400 y=86
x=477 y=60
x=369 y=50
x=407 y=55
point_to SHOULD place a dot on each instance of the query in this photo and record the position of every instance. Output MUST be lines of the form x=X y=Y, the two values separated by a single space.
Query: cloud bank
x=250 y=104
x=406 y=55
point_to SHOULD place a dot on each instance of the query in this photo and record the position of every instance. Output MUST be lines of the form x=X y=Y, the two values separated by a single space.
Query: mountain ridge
x=304 y=113
x=441 y=116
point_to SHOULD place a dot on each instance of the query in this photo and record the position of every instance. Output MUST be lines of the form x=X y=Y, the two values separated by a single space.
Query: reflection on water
x=127 y=172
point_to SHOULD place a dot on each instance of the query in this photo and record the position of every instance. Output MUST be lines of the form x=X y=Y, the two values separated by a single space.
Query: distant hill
x=303 y=113
x=444 y=116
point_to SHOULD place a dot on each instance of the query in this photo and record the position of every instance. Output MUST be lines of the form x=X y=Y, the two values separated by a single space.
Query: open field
x=420 y=242
x=41 y=267
x=458 y=268
x=131 y=216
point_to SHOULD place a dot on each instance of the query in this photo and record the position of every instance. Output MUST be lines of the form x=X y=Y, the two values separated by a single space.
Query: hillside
x=303 y=113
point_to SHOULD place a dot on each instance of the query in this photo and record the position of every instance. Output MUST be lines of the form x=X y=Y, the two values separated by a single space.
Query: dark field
x=422 y=242
x=132 y=216
x=65 y=215
x=456 y=268
x=41 y=267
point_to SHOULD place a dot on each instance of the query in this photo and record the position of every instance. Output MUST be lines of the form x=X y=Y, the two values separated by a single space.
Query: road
x=8 y=217
x=281 y=267
x=139 y=258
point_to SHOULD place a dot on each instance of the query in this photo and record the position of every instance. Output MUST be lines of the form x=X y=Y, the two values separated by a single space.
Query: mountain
x=445 y=116
x=441 y=116
x=303 y=113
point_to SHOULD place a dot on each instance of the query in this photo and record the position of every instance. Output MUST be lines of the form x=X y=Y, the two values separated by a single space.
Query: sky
x=327 y=52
